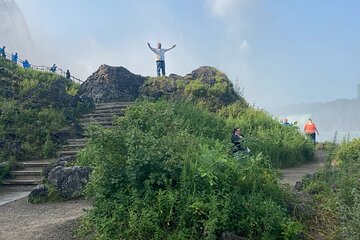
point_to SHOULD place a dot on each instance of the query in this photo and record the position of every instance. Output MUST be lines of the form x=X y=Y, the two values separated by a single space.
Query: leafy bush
x=350 y=217
x=337 y=191
x=283 y=144
x=33 y=105
x=5 y=168
x=164 y=172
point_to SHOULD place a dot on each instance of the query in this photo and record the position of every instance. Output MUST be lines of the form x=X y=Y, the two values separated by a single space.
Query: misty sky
x=279 y=52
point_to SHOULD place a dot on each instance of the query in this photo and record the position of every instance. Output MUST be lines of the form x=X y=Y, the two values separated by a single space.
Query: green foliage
x=30 y=126
x=349 y=152
x=337 y=191
x=5 y=168
x=164 y=172
x=28 y=84
x=283 y=144
x=33 y=105
x=73 y=89
x=51 y=196
x=208 y=88
x=49 y=147
x=350 y=217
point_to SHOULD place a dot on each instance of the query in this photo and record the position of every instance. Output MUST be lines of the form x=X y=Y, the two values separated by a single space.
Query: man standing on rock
x=160 y=57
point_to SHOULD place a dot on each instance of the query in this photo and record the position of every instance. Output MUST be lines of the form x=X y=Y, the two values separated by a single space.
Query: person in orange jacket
x=310 y=130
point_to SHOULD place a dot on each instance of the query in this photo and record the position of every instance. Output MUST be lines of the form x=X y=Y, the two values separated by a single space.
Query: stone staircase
x=31 y=172
x=27 y=173
x=104 y=114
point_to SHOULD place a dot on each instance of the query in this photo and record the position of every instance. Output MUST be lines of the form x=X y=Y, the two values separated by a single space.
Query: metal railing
x=43 y=68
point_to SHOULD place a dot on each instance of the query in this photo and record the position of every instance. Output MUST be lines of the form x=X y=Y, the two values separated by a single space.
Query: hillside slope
x=38 y=111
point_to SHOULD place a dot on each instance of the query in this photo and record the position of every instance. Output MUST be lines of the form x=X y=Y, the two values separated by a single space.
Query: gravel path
x=20 y=220
x=294 y=174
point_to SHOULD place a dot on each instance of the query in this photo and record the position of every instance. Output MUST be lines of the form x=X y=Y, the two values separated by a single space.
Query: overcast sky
x=278 y=51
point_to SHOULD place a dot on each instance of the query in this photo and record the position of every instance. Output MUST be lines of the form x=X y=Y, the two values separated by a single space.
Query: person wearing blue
x=160 y=57
x=2 y=52
x=26 y=64
x=14 y=58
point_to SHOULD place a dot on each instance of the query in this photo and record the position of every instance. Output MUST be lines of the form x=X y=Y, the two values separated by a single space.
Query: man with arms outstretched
x=160 y=57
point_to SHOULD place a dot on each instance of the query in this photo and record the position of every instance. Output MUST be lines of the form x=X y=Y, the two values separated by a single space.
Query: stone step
x=97 y=119
x=30 y=168
x=21 y=182
x=111 y=104
x=109 y=111
x=27 y=177
x=31 y=164
x=102 y=123
x=110 y=108
x=74 y=146
x=105 y=114
x=26 y=173
x=77 y=140
x=67 y=153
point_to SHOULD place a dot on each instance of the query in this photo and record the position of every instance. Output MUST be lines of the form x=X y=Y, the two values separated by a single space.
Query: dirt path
x=20 y=220
x=294 y=174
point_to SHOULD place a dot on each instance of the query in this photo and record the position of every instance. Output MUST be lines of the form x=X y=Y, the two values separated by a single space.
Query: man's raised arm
x=152 y=49
x=170 y=48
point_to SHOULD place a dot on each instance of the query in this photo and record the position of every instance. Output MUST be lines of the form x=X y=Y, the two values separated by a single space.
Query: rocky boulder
x=39 y=191
x=109 y=84
x=61 y=161
x=69 y=181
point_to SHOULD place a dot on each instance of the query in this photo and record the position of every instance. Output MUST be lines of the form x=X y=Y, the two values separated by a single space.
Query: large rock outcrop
x=206 y=86
x=110 y=84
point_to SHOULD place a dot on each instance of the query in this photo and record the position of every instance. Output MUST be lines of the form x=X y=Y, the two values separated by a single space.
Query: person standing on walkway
x=26 y=64
x=68 y=75
x=310 y=130
x=160 y=57
x=2 y=52
x=14 y=58
x=53 y=68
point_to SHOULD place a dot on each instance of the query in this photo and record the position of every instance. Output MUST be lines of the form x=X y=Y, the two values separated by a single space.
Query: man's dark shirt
x=236 y=140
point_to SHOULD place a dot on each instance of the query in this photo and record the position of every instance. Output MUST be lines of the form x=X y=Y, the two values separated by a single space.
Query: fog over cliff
x=341 y=116
x=14 y=32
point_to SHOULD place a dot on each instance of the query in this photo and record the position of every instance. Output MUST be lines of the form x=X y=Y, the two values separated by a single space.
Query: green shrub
x=350 y=217
x=164 y=172
x=33 y=104
x=349 y=152
x=49 y=147
x=5 y=168
x=51 y=196
x=283 y=144
x=336 y=190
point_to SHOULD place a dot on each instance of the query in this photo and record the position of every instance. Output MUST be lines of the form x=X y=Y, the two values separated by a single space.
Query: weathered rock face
x=69 y=181
x=109 y=84
x=61 y=161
